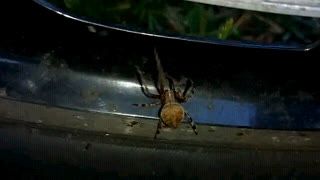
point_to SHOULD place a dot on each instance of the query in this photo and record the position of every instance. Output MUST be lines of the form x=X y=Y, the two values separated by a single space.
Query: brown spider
x=171 y=112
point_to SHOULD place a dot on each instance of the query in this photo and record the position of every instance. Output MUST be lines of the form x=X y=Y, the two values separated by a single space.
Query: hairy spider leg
x=144 y=87
x=161 y=81
x=191 y=122
x=189 y=90
x=177 y=91
x=186 y=94
x=148 y=105
x=172 y=82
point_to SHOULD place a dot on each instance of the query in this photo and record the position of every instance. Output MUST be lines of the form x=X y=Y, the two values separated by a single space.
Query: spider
x=171 y=112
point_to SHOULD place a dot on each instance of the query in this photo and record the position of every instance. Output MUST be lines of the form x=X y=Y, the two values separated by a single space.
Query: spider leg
x=184 y=96
x=148 y=105
x=172 y=82
x=189 y=90
x=160 y=85
x=191 y=122
x=177 y=90
x=161 y=74
x=158 y=129
x=144 y=87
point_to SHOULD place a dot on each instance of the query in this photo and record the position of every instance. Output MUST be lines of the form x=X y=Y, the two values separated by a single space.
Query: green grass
x=188 y=18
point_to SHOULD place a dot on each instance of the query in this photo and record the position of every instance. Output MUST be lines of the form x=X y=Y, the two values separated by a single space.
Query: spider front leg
x=191 y=122
x=148 y=105
x=187 y=93
x=144 y=87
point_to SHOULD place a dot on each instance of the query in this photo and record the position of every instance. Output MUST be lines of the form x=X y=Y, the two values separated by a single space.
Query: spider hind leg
x=191 y=122
x=158 y=129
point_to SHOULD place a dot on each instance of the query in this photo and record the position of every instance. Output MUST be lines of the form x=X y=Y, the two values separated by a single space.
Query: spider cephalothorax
x=171 y=113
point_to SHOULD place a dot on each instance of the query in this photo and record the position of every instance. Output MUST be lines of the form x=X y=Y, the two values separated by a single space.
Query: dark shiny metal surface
x=115 y=94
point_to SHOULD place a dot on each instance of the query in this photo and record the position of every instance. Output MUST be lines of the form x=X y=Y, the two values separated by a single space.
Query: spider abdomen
x=172 y=114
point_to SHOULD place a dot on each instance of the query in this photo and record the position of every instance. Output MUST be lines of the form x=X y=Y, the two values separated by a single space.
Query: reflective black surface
x=57 y=61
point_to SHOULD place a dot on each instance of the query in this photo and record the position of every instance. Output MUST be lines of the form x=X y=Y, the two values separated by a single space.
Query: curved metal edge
x=271 y=6
x=232 y=43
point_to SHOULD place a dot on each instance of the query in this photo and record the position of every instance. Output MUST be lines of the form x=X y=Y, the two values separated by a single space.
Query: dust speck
x=79 y=117
x=132 y=123
x=114 y=107
x=293 y=139
x=275 y=139
x=92 y=29
x=167 y=129
x=38 y=121
x=212 y=129
x=307 y=139
x=87 y=146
